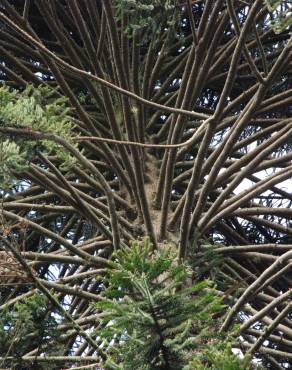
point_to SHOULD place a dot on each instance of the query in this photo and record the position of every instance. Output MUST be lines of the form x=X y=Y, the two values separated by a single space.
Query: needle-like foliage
x=153 y=311
x=30 y=324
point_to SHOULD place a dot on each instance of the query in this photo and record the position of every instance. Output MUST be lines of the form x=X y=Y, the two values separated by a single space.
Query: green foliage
x=37 y=109
x=27 y=326
x=219 y=357
x=155 y=316
x=146 y=13
x=12 y=160
x=281 y=19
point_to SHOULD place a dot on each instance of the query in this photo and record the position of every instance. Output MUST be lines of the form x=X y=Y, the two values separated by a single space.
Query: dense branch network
x=183 y=133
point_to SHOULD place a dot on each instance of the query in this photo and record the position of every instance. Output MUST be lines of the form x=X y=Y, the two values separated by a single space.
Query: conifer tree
x=145 y=172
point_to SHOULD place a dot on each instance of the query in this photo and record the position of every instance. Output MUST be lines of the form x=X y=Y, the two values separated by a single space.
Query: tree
x=169 y=119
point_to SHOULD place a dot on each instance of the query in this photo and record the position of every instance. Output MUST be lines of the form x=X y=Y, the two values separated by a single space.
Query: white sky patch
x=39 y=74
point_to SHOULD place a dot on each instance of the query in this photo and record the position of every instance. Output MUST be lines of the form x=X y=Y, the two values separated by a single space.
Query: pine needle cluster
x=37 y=109
x=146 y=14
x=28 y=325
x=154 y=317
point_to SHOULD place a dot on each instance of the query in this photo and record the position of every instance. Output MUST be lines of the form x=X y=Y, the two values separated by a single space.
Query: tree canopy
x=157 y=132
